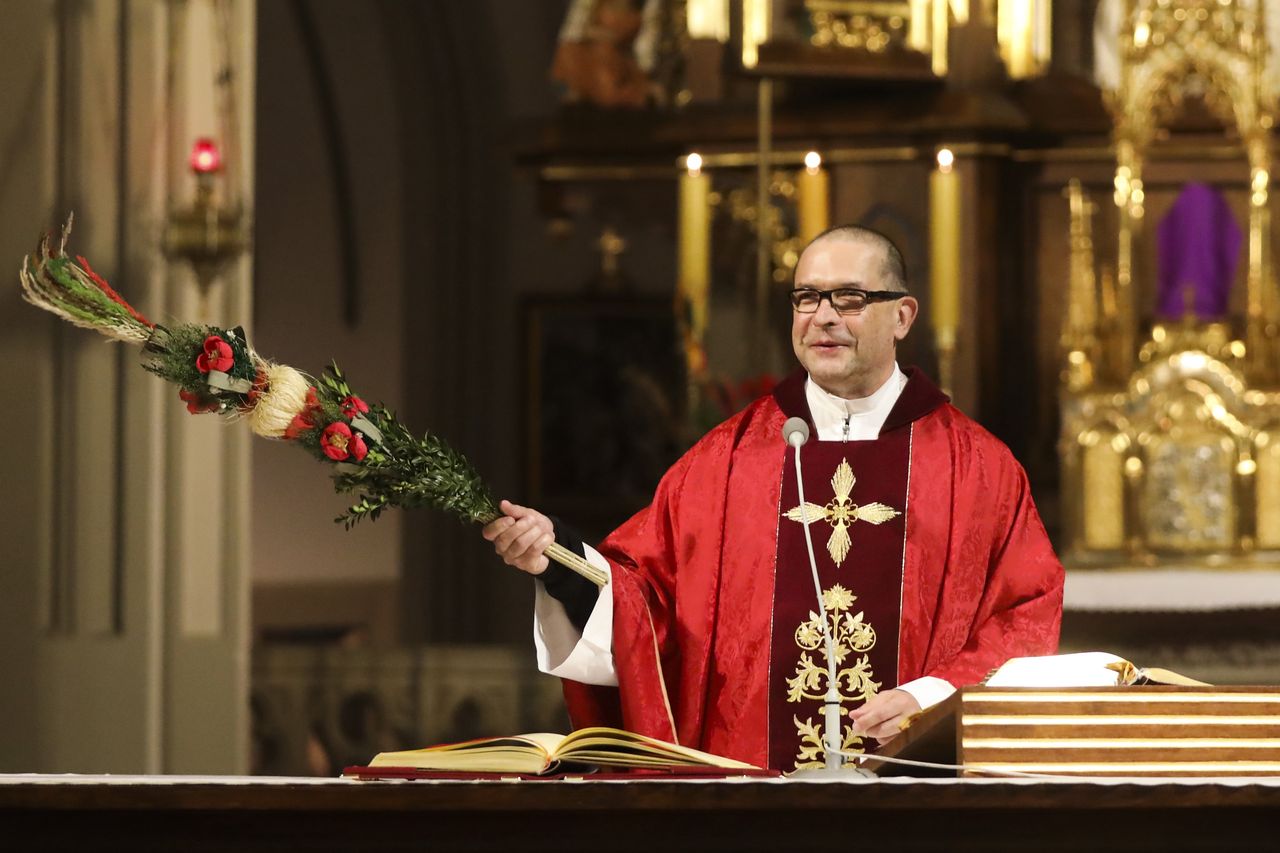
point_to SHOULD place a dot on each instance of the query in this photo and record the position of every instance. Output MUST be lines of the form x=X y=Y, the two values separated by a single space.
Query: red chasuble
x=947 y=564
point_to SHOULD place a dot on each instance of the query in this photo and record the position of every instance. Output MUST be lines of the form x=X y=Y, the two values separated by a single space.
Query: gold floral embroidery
x=852 y=638
x=841 y=511
x=812 y=751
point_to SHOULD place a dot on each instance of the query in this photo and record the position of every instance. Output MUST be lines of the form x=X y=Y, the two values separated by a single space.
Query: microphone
x=795 y=432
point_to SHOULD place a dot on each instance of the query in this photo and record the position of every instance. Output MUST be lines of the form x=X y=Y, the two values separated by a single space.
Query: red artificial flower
x=304 y=421
x=335 y=439
x=216 y=356
x=358 y=448
x=353 y=406
x=198 y=404
x=297 y=427
x=260 y=387
x=338 y=442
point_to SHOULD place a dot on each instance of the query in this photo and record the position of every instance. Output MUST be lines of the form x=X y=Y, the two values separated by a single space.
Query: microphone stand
x=835 y=765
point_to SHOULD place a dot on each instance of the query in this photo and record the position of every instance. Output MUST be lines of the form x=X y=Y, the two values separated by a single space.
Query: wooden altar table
x=144 y=813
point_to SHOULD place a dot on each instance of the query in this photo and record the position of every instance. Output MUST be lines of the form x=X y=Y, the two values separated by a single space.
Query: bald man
x=934 y=565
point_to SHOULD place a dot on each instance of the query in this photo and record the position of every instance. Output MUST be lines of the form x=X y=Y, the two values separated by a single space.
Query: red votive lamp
x=205 y=157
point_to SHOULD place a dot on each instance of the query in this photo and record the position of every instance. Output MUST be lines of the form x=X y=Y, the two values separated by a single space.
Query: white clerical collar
x=853 y=420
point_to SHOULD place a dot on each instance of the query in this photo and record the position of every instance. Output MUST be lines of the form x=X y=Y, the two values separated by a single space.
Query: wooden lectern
x=1094 y=731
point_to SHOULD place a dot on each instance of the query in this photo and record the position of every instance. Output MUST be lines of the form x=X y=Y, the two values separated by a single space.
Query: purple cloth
x=1199 y=246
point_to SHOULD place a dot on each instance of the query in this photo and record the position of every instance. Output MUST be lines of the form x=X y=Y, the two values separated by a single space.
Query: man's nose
x=826 y=314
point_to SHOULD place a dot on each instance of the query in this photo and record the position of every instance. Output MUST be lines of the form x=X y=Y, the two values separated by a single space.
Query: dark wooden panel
x=641 y=816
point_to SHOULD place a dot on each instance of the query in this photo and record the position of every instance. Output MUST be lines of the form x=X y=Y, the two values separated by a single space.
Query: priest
x=933 y=563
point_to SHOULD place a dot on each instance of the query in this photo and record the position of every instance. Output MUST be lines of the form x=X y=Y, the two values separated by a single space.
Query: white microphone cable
x=795 y=432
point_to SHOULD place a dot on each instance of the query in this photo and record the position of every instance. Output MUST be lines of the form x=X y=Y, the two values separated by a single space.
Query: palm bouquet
x=371 y=453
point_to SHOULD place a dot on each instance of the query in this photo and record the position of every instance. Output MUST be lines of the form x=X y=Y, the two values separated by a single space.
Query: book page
x=602 y=745
x=1155 y=675
x=528 y=753
x=1083 y=669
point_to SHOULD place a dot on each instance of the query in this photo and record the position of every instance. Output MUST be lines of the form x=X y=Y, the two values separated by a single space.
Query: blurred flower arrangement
x=728 y=397
x=715 y=397
x=718 y=397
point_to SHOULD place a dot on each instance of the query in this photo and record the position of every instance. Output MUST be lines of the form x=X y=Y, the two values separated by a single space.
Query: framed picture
x=606 y=390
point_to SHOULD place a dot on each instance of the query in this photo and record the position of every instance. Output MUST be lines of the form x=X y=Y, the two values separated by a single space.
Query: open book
x=544 y=754
x=1083 y=669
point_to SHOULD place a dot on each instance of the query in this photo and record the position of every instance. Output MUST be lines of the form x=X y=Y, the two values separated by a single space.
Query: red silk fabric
x=693 y=574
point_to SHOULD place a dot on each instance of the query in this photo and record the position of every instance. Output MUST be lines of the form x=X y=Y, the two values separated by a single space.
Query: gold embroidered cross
x=841 y=512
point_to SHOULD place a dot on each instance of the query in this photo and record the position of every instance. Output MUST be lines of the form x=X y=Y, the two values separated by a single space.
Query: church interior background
x=537 y=229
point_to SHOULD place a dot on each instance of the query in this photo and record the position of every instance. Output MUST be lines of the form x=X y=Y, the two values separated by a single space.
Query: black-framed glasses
x=845 y=300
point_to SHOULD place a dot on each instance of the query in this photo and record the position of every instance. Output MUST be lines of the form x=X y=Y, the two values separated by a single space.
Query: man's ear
x=907 y=310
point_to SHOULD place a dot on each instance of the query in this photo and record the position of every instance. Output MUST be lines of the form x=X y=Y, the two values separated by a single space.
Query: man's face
x=849 y=355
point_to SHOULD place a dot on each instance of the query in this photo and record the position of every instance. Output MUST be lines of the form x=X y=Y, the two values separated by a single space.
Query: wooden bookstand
x=1095 y=731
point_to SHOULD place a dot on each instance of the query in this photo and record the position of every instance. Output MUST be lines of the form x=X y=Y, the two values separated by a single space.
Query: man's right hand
x=520 y=537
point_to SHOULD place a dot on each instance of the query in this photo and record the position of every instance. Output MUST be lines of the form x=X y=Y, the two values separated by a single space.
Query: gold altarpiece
x=1171 y=446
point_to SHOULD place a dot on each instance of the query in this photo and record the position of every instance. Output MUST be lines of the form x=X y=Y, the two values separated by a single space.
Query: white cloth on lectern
x=588 y=657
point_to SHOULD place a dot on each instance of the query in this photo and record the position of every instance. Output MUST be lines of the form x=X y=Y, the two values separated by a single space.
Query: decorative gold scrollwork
x=852 y=639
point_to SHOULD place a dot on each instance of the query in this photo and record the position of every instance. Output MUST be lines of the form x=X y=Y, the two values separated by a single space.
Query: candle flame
x=693 y=163
x=812 y=161
x=946 y=159
x=205 y=157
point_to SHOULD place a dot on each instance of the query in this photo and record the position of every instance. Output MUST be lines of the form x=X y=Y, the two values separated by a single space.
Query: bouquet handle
x=565 y=557
x=574 y=563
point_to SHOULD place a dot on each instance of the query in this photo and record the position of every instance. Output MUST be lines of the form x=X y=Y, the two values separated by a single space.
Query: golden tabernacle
x=1169 y=439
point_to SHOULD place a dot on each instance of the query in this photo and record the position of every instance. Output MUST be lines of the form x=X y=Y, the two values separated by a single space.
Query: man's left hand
x=882 y=715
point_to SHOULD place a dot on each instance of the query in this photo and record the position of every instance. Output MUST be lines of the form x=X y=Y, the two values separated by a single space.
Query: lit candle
x=918 y=28
x=205 y=157
x=812 y=190
x=707 y=19
x=695 y=243
x=944 y=243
